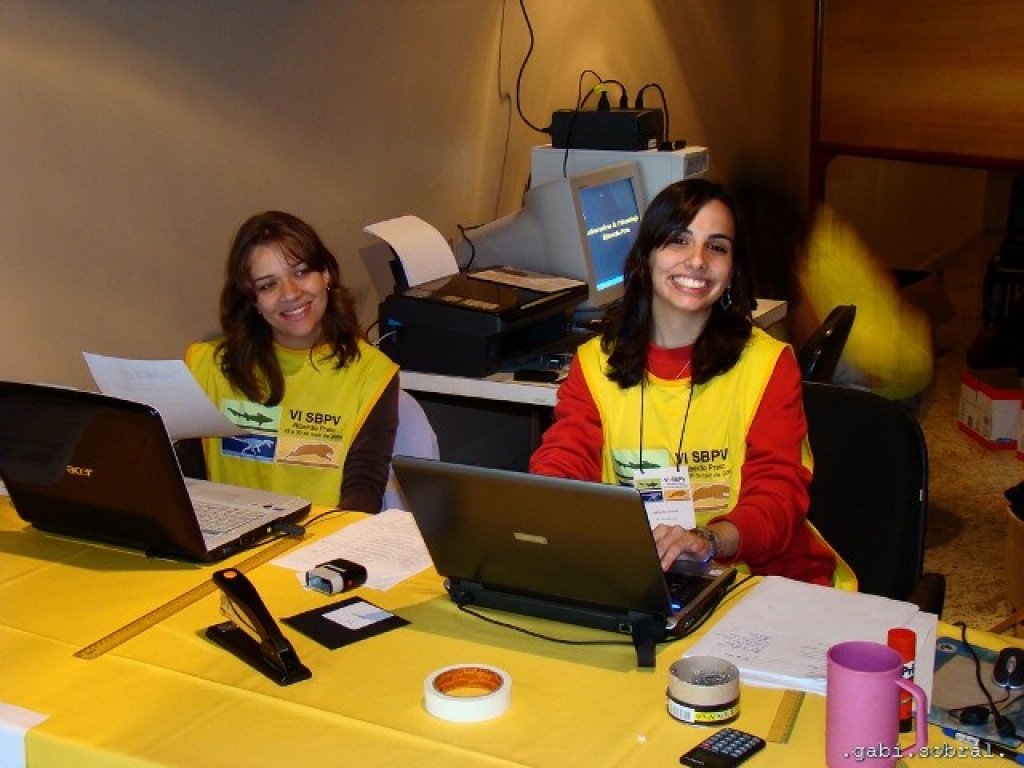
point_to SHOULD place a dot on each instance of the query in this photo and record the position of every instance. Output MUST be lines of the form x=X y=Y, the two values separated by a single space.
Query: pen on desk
x=989 y=747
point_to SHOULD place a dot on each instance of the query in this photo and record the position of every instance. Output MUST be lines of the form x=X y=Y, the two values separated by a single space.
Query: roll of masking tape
x=704 y=690
x=467 y=693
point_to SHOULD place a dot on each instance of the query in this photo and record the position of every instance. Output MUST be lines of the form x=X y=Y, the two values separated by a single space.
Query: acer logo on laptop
x=80 y=471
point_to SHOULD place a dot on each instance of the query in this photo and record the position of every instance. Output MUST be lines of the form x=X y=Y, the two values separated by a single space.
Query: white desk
x=499 y=386
x=497 y=421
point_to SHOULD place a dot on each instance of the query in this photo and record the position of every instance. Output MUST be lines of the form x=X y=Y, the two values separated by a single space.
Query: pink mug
x=862 y=706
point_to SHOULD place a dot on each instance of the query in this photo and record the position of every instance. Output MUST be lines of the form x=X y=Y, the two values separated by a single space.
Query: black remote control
x=723 y=749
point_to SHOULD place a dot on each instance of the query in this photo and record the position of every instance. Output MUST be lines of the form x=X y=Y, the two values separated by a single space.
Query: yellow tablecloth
x=171 y=697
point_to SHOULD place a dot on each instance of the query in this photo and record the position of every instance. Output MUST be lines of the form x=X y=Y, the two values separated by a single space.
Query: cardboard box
x=990 y=407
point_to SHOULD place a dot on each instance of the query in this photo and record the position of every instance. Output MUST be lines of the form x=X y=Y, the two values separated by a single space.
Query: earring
x=726 y=298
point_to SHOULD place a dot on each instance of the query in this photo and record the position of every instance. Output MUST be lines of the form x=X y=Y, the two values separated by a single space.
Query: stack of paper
x=779 y=632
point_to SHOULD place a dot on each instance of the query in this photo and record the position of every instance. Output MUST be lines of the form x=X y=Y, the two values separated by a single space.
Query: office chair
x=819 y=355
x=416 y=438
x=869 y=495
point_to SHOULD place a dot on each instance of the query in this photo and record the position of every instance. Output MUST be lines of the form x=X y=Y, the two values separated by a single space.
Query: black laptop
x=94 y=467
x=575 y=552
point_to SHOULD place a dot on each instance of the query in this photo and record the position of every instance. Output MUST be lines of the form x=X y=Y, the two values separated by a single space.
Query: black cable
x=564 y=641
x=639 y=104
x=729 y=593
x=472 y=247
x=711 y=609
x=623 y=96
x=325 y=513
x=1003 y=724
x=1002 y=704
x=581 y=100
x=732 y=590
x=278 y=531
x=522 y=69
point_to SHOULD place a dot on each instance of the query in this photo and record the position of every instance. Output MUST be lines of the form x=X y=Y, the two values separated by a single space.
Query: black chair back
x=819 y=355
x=869 y=495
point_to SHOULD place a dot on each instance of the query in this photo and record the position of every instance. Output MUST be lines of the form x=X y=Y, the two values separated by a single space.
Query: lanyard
x=686 y=418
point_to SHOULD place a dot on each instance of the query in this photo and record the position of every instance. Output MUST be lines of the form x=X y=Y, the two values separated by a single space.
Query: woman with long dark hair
x=319 y=406
x=683 y=398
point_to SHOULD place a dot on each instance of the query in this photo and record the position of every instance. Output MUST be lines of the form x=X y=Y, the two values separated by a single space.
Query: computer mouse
x=1008 y=671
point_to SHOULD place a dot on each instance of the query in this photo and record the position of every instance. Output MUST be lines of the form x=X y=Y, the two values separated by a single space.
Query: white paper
x=424 y=253
x=168 y=386
x=388 y=545
x=14 y=723
x=524 y=278
x=357 y=615
x=779 y=632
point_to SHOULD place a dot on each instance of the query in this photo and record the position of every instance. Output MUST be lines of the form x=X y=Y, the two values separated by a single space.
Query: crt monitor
x=581 y=226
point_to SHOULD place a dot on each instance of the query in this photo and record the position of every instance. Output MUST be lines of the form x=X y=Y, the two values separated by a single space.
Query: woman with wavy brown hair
x=318 y=405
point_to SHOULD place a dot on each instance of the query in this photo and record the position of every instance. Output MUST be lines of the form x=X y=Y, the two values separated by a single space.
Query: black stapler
x=251 y=633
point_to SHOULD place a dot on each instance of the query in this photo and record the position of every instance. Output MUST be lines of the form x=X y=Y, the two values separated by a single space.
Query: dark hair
x=247 y=356
x=626 y=330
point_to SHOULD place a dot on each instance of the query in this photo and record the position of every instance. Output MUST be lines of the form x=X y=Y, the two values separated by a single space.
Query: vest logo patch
x=253 y=447
x=308 y=452
x=252 y=416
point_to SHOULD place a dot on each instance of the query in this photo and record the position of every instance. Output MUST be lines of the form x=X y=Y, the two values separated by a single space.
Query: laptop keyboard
x=215 y=519
x=683 y=588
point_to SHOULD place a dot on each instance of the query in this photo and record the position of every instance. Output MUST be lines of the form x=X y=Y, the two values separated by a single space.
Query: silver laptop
x=90 y=466
x=576 y=552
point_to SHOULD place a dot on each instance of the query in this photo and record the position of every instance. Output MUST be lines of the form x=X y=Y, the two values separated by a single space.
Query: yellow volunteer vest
x=298 y=446
x=714 y=443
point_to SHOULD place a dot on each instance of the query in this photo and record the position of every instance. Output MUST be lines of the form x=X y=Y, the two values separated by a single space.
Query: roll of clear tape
x=704 y=690
x=467 y=693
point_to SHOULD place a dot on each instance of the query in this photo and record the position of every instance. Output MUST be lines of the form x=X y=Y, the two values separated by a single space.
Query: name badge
x=667 y=496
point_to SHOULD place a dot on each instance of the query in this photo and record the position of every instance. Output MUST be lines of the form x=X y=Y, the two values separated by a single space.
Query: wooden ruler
x=785 y=717
x=182 y=601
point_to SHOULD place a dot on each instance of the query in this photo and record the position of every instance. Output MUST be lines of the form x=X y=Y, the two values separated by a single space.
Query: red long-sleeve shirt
x=773 y=496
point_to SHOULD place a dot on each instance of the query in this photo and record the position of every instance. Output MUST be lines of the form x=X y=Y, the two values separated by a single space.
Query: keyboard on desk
x=217 y=518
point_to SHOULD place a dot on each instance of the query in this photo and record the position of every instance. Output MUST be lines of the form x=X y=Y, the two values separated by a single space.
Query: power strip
x=630 y=129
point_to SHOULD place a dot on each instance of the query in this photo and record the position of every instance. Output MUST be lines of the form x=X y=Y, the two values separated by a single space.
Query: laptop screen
x=86 y=465
x=96 y=467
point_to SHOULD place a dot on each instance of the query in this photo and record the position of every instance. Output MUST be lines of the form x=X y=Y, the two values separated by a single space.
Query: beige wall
x=137 y=134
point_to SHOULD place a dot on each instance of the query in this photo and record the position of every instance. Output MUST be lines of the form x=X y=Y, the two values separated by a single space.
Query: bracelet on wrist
x=711 y=538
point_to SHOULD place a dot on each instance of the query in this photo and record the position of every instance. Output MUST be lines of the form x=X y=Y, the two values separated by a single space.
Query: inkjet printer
x=474 y=323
